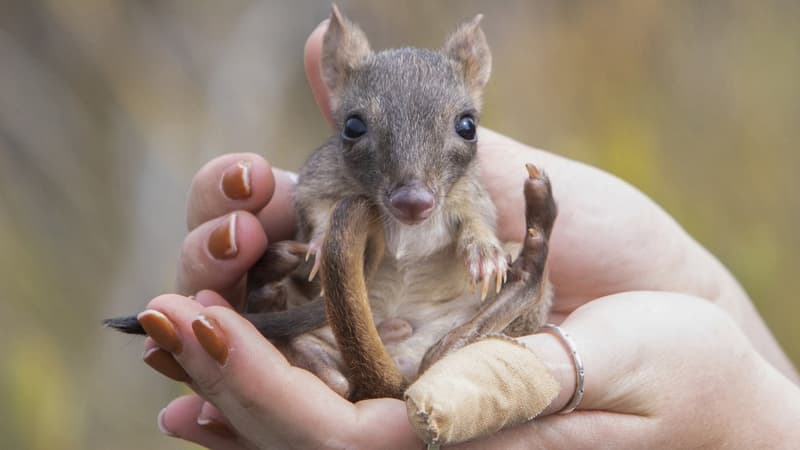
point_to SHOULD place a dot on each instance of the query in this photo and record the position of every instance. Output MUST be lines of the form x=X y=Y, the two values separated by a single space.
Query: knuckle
x=212 y=386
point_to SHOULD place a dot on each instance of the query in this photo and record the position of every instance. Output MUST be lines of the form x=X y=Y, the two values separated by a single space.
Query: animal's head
x=407 y=117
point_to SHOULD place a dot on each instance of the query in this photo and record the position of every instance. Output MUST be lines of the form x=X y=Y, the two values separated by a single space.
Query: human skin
x=663 y=370
x=662 y=325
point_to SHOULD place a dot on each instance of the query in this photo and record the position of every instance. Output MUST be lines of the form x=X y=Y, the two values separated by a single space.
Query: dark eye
x=354 y=128
x=465 y=127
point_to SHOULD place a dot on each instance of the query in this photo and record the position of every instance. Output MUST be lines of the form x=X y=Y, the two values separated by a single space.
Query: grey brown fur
x=410 y=100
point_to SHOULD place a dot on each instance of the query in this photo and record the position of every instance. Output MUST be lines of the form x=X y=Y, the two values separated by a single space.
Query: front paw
x=314 y=248
x=486 y=261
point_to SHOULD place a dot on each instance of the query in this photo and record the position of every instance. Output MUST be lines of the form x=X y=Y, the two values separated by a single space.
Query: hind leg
x=523 y=303
x=317 y=355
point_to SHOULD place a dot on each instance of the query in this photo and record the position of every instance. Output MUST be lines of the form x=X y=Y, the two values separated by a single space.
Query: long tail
x=275 y=326
x=373 y=372
x=127 y=324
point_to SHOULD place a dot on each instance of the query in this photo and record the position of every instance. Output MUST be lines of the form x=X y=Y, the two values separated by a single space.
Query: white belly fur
x=423 y=281
x=431 y=295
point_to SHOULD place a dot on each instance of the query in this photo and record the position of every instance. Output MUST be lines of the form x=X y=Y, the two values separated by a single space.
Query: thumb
x=312 y=59
x=636 y=379
x=627 y=345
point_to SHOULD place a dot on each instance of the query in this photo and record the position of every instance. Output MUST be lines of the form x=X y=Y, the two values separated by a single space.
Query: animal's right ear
x=344 y=47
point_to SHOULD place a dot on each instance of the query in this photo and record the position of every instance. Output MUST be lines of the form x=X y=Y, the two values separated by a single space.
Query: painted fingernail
x=235 y=182
x=222 y=241
x=161 y=426
x=164 y=363
x=218 y=428
x=210 y=337
x=158 y=326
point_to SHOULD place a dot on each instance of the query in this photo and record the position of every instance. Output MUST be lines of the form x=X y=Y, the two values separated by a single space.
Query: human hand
x=655 y=363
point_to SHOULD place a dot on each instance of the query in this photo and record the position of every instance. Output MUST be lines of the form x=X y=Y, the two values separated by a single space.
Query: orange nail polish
x=211 y=338
x=158 y=326
x=235 y=182
x=164 y=363
x=222 y=241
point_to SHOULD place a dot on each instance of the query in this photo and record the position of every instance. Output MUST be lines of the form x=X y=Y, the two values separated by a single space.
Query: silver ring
x=577 y=363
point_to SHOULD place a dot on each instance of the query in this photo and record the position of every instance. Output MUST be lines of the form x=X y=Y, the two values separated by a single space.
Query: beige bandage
x=478 y=390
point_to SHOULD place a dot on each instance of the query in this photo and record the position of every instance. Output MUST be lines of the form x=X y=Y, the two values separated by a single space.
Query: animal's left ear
x=467 y=47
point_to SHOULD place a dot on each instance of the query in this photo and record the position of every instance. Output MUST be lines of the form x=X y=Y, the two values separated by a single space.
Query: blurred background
x=107 y=108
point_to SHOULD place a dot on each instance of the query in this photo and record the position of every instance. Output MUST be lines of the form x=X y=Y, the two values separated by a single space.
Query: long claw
x=485 y=288
x=314 y=270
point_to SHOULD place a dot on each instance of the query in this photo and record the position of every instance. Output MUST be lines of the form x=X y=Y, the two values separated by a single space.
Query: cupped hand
x=662 y=370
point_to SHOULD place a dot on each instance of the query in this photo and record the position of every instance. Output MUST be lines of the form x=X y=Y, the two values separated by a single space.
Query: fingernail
x=164 y=363
x=218 y=428
x=161 y=426
x=211 y=338
x=158 y=326
x=235 y=182
x=222 y=241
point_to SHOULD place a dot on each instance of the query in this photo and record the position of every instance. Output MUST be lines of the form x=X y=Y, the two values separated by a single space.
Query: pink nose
x=411 y=204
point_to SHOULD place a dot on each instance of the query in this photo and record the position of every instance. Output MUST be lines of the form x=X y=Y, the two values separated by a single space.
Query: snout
x=411 y=204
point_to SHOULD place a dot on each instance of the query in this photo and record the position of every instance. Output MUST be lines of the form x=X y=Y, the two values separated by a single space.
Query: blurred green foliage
x=108 y=107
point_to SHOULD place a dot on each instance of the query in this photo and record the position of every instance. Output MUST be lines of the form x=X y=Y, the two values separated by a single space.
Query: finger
x=163 y=362
x=600 y=362
x=627 y=343
x=254 y=369
x=211 y=298
x=263 y=397
x=313 y=58
x=237 y=181
x=634 y=377
x=180 y=419
x=246 y=377
x=278 y=217
x=217 y=254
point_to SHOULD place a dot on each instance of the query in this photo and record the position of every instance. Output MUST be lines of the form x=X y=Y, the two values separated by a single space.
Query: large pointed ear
x=467 y=47
x=344 y=47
